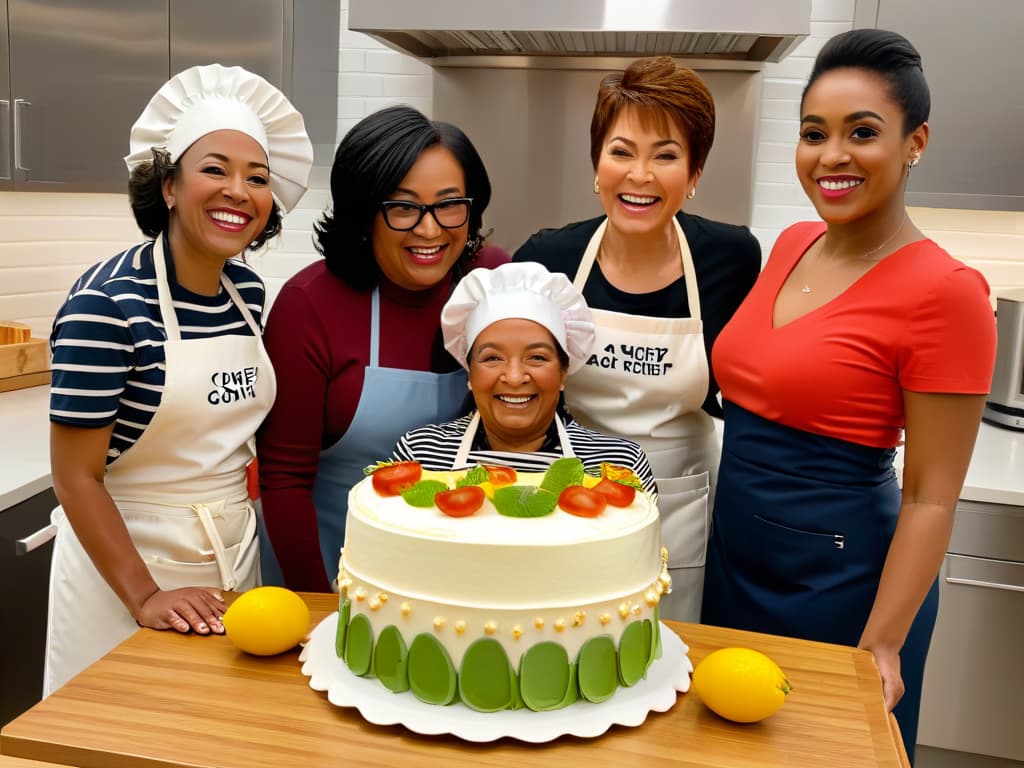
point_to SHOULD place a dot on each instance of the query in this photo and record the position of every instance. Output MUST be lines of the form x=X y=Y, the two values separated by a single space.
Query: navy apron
x=392 y=401
x=801 y=528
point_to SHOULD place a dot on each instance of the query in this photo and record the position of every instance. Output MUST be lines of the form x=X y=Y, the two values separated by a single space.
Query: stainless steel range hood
x=747 y=30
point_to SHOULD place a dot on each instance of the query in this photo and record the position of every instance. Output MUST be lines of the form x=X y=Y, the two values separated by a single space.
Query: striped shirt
x=108 y=340
x=436 y=445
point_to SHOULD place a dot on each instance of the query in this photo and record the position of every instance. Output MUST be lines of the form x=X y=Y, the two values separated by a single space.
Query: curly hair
x=369 y=164
x=145 y=193
x=660 y=90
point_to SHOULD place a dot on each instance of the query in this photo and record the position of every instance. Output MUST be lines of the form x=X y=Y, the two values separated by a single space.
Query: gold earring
x=692 y=193
x=597 y=187
x=914 y=160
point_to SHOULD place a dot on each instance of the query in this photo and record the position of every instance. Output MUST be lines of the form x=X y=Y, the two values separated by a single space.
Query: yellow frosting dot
x=604 y=618
x=490 y=628
x=460 y=627
x=623 y=610
x=438 y=622
x=360 y=594
x=636 y=610
x=651 y=597
x=382 y=596
x=517 y=631
x=560 y=625
x=405 y=608
x=538 y=623
x=578 y=617
x=373 y=603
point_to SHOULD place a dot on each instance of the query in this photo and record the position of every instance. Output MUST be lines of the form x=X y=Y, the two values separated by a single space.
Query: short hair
x=146 y=196
x=369 y=164
x=887 y=54
x=660 y=90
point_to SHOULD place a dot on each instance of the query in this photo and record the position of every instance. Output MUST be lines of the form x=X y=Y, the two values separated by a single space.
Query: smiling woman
x=519 y=330
x=160 y=377
x=355 y=338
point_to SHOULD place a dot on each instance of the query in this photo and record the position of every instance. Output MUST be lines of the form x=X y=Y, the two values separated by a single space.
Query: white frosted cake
x=515 y=603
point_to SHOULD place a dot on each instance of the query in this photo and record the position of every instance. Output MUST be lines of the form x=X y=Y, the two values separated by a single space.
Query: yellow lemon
x=267 y=620
x=740 y=684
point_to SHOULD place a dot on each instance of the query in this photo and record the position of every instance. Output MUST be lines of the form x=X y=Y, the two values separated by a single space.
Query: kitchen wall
x=46 y=240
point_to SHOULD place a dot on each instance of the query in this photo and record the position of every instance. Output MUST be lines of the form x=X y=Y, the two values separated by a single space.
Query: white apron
x=180 y=489
x=647 y=380
x=466 y=444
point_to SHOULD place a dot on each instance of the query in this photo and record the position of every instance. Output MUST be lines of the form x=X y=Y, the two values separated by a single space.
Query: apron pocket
x=793 y=559
x=683 y=507
x=174 y=574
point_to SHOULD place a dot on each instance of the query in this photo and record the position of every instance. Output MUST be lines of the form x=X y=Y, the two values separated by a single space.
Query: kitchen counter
x=161 y=699
x=24 y=444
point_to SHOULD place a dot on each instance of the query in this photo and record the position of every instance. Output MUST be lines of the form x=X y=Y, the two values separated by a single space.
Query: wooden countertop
x=161 y=699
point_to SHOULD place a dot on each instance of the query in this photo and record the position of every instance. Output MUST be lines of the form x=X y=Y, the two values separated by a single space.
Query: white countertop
x=996 y=474
x=24 y=444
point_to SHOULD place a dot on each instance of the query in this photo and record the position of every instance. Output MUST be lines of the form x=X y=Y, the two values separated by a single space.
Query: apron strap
x=685 y=257
x=462 y=455
x=227 y=571
x=375 y=328
x=242 y=306
x=163 y=291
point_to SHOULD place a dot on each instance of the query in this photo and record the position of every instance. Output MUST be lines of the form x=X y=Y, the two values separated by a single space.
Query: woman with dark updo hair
x=356 y=338
x=860 y=334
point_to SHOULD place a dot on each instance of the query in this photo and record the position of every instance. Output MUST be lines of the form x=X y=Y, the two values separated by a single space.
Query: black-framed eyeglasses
x=403 y=215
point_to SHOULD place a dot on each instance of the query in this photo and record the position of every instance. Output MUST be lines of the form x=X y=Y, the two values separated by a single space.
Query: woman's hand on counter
x=888 y=662
x=198 y=609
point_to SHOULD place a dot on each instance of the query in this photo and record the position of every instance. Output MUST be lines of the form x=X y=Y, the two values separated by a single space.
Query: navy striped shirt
x=108 y=340
x=435 y=446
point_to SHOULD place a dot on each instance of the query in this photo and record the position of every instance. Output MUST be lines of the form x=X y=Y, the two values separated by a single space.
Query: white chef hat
x=518 y=290
x=211 y=98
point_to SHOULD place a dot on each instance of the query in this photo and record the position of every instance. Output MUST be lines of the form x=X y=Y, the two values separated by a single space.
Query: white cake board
x=665 y=678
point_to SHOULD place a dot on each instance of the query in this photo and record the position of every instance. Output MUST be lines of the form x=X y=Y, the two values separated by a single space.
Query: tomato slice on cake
x=461 y=502
x=392 y=479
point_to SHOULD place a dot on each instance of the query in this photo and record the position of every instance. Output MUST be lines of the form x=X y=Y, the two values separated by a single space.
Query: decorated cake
x=499 y=589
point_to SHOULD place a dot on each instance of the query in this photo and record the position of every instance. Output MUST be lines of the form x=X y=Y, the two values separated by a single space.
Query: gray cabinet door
x=260 y=37
x=80 y=74
x=5 y=104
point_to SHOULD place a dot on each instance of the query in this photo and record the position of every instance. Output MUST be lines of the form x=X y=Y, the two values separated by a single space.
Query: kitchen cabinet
x=75 y=75
x=26 y=547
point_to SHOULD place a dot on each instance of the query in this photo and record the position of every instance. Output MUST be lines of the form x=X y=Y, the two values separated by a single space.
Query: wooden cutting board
x=24 y=365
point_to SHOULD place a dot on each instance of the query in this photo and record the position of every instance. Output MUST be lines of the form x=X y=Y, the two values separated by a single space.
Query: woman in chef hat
x=160 y=377
x=518 y=330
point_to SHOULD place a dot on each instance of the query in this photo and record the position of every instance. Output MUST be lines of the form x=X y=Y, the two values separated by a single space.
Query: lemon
x=740 y=684
x=267 y=620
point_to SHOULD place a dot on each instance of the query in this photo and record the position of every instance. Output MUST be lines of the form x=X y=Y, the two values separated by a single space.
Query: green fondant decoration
x=432 y=675
x=597 y=669
x=572 y=691
x=657 y=632
x=391 y=659
x=544 y=676
x=633 y=649
x=649 y=628
x=484 y=683
x=475 y=476
x=359 y=645
x=422 y=494
x=513 y=680
x=524 y=501
x=344 y=611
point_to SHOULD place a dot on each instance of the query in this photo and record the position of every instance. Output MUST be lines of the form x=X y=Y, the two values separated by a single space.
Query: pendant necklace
x=864 y=256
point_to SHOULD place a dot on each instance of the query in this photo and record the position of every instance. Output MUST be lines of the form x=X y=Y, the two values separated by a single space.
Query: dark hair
x=660 y=90
x=370 y=163
x=145 y=193
x=890 y=56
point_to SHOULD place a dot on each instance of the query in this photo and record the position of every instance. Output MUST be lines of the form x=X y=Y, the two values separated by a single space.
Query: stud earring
x=597 y=187
x=914 y=160
x=691 y=194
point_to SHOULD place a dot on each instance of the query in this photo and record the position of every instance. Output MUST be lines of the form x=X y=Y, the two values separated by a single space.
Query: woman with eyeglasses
x=356 y=338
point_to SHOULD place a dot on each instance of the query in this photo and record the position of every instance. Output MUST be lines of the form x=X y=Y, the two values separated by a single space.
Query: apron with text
x=647 y=380
x=180 y=489
x=392 y=402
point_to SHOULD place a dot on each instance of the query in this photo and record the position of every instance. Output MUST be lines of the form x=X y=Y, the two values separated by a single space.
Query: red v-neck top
x=919 y=320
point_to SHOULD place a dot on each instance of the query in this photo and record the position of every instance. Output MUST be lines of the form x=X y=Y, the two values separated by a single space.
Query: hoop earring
x=597 y=187
x=691 y=194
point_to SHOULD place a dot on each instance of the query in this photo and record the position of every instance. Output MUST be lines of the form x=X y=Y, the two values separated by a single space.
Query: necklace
x=864 y=256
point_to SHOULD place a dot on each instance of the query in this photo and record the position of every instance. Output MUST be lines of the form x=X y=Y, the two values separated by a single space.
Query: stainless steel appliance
x=1005 y=406
x=521 y=79
x=974 y=676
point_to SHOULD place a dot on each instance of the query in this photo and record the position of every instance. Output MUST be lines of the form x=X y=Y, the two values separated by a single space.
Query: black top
x=726 y=258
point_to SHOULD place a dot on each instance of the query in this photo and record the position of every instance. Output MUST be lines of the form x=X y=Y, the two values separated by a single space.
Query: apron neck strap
x=462 y=455
x=375 y=328
x=163 y=291
x=685 y=257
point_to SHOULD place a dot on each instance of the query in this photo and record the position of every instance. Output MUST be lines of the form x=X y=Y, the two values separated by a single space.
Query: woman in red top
x=858 y=328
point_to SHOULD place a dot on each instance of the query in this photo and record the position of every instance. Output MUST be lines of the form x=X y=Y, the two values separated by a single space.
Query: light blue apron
x=392 y=402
